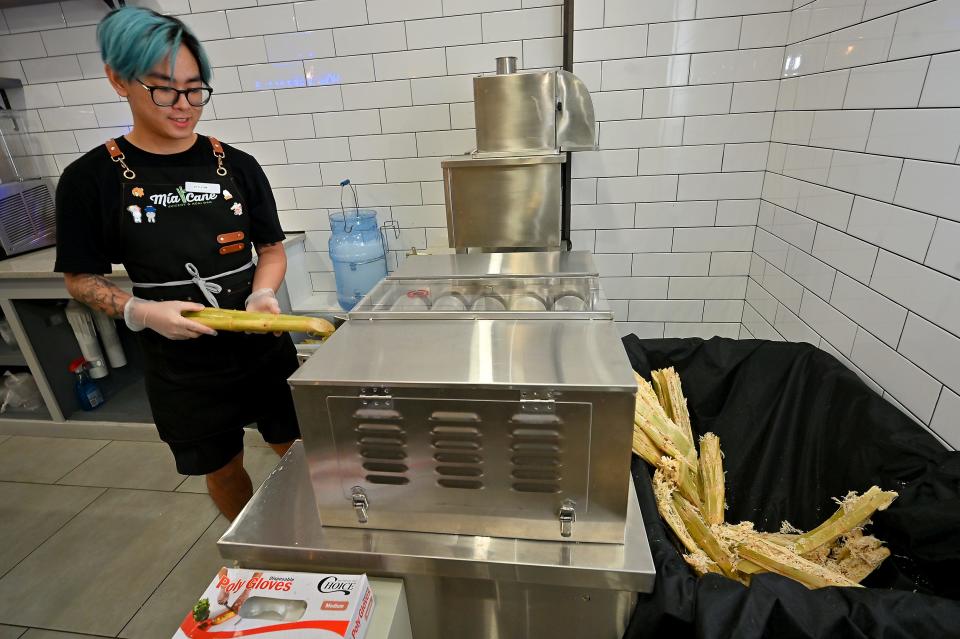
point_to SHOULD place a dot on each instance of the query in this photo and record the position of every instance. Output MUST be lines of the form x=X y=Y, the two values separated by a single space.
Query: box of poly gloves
x=288 y=605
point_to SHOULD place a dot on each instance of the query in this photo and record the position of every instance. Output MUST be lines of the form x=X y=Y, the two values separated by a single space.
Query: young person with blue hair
x=181 y=212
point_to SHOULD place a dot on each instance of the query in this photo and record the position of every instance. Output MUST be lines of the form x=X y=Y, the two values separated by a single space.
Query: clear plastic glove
x=263 y=300
x=165 y=318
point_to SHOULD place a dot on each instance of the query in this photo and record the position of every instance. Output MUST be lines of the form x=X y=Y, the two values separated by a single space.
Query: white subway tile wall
x=876 y=178
x=763 y=168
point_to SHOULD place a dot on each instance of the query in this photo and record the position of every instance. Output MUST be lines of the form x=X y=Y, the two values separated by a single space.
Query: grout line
x=857 y=323
x=926 y=253
x=83 y=461
x=926 y=74
x=103 y=491
x=893 y=34
x=170 y=572
x=903 y=329
x=857 y=195
x=856 y=24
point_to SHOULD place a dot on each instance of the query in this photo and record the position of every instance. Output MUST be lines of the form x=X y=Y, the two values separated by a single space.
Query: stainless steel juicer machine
x=483 y=393
x=470 y=426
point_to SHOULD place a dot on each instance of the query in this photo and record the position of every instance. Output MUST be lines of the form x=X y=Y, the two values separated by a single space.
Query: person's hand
x=165 y=318
x=263 y=300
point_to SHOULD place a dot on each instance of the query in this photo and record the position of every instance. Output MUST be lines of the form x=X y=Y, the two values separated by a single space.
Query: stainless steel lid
x=519 y=264
x=559 y=354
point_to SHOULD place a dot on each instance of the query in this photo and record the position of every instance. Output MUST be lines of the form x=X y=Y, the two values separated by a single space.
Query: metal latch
x=538 y=403
x=567 y=516
x=360 y=503
x=378 y=398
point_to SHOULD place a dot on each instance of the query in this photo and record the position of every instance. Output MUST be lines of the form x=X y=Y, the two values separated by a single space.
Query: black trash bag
x=797 y=429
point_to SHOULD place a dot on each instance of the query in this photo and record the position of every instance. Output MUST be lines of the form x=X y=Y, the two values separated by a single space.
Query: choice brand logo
x=331 y=584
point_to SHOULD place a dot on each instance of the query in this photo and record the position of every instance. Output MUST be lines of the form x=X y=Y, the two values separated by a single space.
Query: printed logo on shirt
x=182 y=198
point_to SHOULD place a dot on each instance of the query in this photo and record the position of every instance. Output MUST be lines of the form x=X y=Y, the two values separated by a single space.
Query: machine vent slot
x=534 y=447
x=456 y=444
x=385 y=467
x=456 y=431
x=383 y=449
x=383 y=453
x=531 y=487
x=460 y=471
x=381 y=441
x=457 y=458
x=456 y=449
x=548 y=461
x=536 y=460
x=535 y=419
x=471 y=484
x=452 y=417
x=377 y=414
x=393 y=480
x=540 y=474
x=379 y=428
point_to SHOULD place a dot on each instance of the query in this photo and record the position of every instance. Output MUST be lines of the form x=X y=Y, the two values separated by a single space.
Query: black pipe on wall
x=566 y=173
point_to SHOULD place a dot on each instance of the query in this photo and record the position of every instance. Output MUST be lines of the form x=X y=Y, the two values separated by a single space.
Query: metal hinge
x=376 y=397
x=360 y=503
x=541 y=403
x=567 y=515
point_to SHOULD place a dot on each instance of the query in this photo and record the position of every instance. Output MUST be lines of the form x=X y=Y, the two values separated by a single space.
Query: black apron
x=192 y=231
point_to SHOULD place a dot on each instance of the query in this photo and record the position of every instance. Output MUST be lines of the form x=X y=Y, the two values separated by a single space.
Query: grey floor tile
x=93 y=575
x=43 y=459
x=258 y=461
x=11 y=632
x=37 y=633
x=166 y=608
x=145 y=465
x=4 y=438
x=31 y=513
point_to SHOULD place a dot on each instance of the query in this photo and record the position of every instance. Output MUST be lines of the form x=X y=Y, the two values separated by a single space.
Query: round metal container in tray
x=485 y=298
x=489 y=286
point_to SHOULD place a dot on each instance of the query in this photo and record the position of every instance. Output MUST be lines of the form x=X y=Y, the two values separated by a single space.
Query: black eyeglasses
x=168 y=96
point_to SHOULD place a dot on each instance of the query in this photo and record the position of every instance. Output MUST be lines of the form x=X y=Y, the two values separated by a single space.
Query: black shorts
x=207 y=455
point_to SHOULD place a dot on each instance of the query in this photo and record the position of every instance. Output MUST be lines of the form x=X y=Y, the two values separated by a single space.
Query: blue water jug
x=357 y=252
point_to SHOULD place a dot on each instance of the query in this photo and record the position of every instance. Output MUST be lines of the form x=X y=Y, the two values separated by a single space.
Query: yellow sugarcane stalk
x=221 y=319
x=681 y=477
x=783 y=561
x=649 y=407
x=645 y=448
x=704 y=537
x=711 y=479
x=663 y=490
x=662 y=441
x=666 y=381
x=852 y=513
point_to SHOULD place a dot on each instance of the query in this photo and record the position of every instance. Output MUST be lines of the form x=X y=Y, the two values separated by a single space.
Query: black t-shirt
x=89 y=199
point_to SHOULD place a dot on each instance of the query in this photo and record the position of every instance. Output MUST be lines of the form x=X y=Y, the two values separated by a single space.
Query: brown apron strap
x=219 y=154
x=117 y=156
x=112 y=148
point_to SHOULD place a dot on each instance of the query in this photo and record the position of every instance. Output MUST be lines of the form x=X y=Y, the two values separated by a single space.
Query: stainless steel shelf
x=281 y=527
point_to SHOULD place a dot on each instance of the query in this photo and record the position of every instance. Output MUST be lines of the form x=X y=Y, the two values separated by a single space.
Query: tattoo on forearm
x=100 y=293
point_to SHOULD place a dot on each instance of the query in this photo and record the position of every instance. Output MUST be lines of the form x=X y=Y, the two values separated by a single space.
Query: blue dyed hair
x=132 y=40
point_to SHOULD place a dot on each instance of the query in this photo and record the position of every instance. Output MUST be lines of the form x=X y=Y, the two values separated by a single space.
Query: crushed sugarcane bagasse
x=690 y=492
